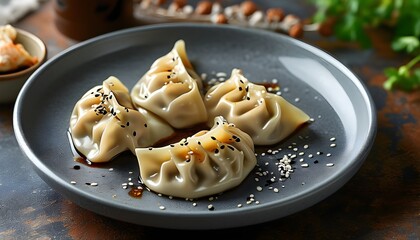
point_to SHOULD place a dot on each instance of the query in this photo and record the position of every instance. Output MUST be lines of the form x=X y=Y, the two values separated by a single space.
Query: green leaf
x=408 y=44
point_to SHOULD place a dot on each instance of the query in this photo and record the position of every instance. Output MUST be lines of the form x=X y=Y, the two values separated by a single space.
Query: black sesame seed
x=76 y=167
x=213 y=138
x=122 y=126
x=240 y=88
x=145 y=125
x=216 y=151
x=231 y=148
x=134 y=133
x=222 y=147
x=238 y=140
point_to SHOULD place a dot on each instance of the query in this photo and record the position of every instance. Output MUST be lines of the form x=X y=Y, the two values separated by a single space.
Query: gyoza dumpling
x=268 y=118
x=104 y=123
x=172 y=90
x=209 y=162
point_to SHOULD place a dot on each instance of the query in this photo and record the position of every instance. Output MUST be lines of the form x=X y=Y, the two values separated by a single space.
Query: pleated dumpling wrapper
x=172 y=90
x=267 y=117
x=209 y=162
x=104 y=123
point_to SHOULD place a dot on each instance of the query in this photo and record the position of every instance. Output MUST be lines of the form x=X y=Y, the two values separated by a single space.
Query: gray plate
x=309 y=78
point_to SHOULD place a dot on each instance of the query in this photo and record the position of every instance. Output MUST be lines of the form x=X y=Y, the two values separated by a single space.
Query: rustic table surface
x=382 y=201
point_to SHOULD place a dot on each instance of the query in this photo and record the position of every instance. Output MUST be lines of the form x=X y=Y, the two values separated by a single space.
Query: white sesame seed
x=332 y=139
x=111 y=169
x=297 y=99
x=221 y=74
x=73 y=182
x=194 y=204
x=310 y=155
x=328 y=154
x=94 y=184
x=333 y=145
x=239 y=205
x=259 y=188
x=257 y=202
x=276 y=190
x=305 y=165
x=305 y=146
x=124 y=184
x=162 y=207
x=329 y=164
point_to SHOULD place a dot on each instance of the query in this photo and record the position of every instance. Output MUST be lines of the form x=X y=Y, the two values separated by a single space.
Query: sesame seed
x=332 y=139
x=329 y=164
x=239 y=205
x=94 y=184
x=111 y=169
x=259 y=188
x=276 y=190
x=210 y=207
x=333 y=145
x=194 y=204
x=162 y=207
x=305 y=165
x=328 y=154
x=73 y=182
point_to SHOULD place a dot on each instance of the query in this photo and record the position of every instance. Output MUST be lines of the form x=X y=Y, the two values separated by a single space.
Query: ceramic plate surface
x=332 y=95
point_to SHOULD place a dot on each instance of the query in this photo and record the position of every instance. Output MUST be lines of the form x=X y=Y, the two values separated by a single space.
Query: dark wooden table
x=382 y=201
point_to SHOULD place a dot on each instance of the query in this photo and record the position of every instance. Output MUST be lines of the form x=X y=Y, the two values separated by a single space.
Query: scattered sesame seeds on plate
x=314 y=162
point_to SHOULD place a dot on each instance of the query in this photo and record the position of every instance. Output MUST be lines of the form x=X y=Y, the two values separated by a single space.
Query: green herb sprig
x=350 y=19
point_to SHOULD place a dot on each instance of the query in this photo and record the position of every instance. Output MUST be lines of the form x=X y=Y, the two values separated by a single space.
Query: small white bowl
x=11 y=83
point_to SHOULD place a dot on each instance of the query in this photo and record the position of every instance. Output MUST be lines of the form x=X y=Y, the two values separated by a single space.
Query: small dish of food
x=21 y=53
